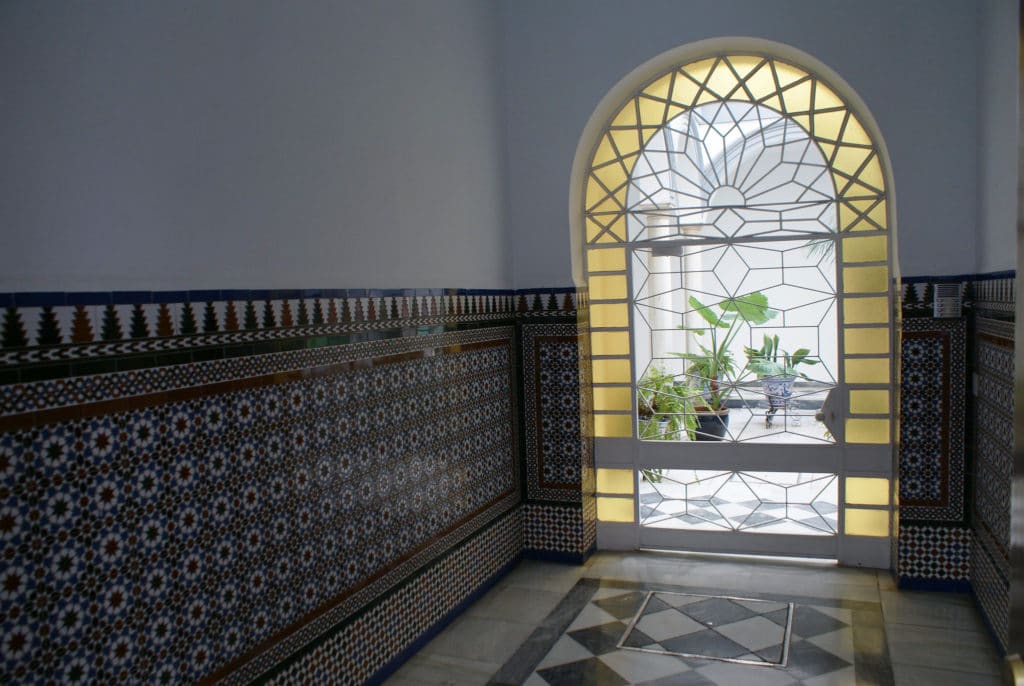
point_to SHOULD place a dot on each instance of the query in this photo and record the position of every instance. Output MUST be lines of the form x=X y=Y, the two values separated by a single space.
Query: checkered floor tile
x=620 y=633
x=744 y=630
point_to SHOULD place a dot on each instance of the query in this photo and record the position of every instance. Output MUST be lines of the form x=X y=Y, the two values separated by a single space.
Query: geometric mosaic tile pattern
x=991 y=586
x=551 y=418
x=934 y=552
x=605 y=631
x=993 y=367
x=743 y=630
x=55 y=335
x=355 y=651
x=554 y=529
x=932 y=411
x=171 y=537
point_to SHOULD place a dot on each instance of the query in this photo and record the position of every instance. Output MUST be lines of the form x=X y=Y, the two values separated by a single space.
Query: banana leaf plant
x=714 y=364
x=772 y=361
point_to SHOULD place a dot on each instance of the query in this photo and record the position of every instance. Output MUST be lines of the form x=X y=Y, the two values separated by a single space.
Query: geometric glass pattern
x=726 y=179
x=741 y=630
x=756 y=502
x=728 y=300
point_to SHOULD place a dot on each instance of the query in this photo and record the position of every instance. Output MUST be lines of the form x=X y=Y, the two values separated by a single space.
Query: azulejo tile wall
x=992 y=443
x=560 y=510
x=253 y=499
x=933 y=546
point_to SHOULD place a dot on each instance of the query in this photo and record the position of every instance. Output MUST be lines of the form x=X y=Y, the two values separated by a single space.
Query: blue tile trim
x=391 y=667
x=90 y=298
x=35 y=299
x=555 y=556
x=906 y=583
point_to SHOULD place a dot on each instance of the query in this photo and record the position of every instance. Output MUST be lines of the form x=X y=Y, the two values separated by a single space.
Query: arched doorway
x=733 y=201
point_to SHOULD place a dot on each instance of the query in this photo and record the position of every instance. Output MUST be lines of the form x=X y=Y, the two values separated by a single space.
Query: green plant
x=771 y=360
x=714 y=363
x=661 y=400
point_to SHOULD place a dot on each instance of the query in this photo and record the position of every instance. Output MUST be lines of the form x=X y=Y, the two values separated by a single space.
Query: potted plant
x=664 y=406
x=714 y=366
x=664 y=409
x=777 y=371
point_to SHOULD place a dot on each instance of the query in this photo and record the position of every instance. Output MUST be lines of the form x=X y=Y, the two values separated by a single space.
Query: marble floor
x=644 y=618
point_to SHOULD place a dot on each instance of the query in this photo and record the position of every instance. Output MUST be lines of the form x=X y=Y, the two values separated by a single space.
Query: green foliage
x=661 y=401
x=771 y=360
x=715 y=361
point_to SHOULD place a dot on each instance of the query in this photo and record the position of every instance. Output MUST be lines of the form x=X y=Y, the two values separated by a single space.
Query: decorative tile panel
x=358 y=649
x=993 y=368
x=932 y=410
x=551 y=392
x=934 y=552
x=199 y=528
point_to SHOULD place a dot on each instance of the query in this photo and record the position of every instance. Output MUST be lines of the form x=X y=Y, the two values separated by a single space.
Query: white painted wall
x=997 y=135
x=914 y=62
x=157 y=144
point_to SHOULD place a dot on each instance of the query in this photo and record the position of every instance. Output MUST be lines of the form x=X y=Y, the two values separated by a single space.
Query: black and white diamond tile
x=621 y=633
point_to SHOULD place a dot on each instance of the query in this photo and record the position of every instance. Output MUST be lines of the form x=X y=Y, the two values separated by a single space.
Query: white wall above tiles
x=915 y=64
x=250 y=144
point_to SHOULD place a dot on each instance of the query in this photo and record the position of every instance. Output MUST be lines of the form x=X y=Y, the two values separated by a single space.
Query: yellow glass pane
x=684 y=90
x=618 y=481
x=613 y=398
x=612 y=203
x=787 y=73
x=607 y=260
x=706 y=97
x=722 y=80
x=611 y=371
x=867 y=431
x=869 y=402
x=865 y=249
x=872 y=341
x=613 y=425
x=847 y=216
x=829 y=124
x=612 y=175
x=593 y=229
x=872 y=174
x=607 y=287
x=617 y=227
x=605 y=152
x=798 y=97
x=878 y=216
x=615 y=510
x=699 y=70
x=865 y=279
x=626 y=140
x=827 y=149
x=867 y=522
x=774 y=103
x=867 y=370
x=855 y=133
x=596 y=195
x=744 y=64
x=849 y=159
x=761 y=84
x=825 y=97
x=804 y=120
x=609 y=315
x=652 y=112
x=609 y=343
x=660 y=88
x=626 y=116
x=862 y=490
x=865 y=311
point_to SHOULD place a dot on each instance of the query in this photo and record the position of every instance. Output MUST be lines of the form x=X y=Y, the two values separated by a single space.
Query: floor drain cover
x=742 y=630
